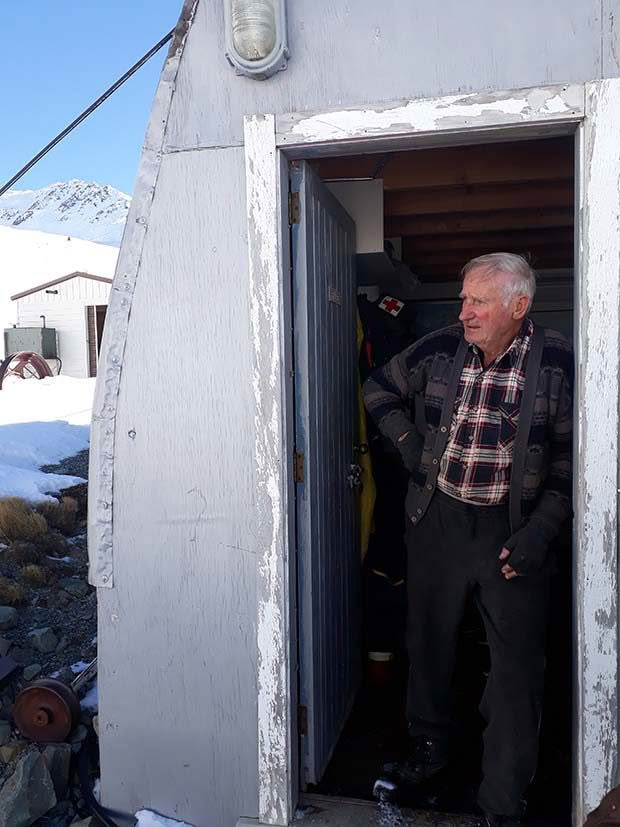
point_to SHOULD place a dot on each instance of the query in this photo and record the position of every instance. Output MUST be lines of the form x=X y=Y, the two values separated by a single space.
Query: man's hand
x=507 y=570
x=527 y=549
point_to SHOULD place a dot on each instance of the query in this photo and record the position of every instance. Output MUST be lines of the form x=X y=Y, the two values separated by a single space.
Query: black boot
x=402 y=781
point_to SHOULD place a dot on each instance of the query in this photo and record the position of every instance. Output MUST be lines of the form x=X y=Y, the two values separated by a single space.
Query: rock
x=11 y=751
x=58 y=760
x=78 y=735
x=62 y=644
x=5 y=733
x=22 y=656
x=8 y=699
x=8 y=617
x=28 y=794
x=5 y=645
x=31 y=671
x=66 y=675
x=73 y=586
x=58 y=816
x=43 y=639
x=85 y=822
x=60 y=600
x=53 y=545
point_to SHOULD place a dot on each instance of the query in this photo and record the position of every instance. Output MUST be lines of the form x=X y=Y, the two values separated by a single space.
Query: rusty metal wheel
x=46 y=711
x=25 y=365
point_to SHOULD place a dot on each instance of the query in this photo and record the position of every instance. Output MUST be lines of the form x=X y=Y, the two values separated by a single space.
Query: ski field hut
x=75 y=307
x=223 y=513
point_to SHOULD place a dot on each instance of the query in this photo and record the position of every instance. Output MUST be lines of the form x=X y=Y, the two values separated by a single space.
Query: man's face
x=488 y=319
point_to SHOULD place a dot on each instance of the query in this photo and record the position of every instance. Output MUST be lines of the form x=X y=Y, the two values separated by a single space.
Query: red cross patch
x=391 y=305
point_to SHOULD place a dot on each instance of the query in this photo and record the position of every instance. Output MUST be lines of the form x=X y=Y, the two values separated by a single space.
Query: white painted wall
x=66 y=312
x=363 y=200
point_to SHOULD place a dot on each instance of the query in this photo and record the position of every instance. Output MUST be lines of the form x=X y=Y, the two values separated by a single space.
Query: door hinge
x=293 y=208
x=302 y=720
x=298 y=467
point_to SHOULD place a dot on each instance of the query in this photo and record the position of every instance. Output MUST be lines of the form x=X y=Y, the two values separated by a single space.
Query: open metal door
x=324 y=291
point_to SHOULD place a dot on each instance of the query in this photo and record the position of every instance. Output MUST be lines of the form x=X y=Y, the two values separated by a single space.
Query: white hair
x=522 y=281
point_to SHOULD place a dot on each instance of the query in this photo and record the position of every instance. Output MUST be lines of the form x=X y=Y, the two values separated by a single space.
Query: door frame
x=588 y=111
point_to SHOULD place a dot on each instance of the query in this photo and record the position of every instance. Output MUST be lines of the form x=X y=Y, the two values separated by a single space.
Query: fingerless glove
x=529 y=547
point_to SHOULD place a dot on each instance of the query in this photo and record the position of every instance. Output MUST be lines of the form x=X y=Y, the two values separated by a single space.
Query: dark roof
x=59 y=281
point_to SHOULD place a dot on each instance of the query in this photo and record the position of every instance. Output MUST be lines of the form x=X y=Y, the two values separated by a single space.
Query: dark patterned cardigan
x=416 y=391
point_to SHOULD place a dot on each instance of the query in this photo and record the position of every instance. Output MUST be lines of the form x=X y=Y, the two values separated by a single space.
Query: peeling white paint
x=555 y=104
x=596 y=465
x=432 y=114
x=272 y=622
x=101 y=474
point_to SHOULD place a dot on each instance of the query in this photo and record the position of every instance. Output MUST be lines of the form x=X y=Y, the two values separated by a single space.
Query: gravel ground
x=66 y=604
x=72 y=618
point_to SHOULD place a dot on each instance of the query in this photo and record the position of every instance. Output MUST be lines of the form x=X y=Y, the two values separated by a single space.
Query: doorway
x=95 y=321
x=438 y=209
x=589 y=112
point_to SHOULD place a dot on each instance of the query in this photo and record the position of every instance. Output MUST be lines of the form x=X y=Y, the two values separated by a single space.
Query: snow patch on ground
x=45 y=400
x=146 y=818
x=41 y=422
x=90 y=701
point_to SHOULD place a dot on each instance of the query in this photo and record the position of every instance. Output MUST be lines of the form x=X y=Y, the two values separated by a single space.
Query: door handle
x=355 y=476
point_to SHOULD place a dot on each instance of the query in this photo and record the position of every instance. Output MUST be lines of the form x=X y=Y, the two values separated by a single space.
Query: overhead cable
x=86 y=112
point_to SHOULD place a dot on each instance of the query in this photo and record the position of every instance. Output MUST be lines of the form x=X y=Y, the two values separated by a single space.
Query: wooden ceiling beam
x=551 y=159
x=455 y=256
x=503 y=240
x=482 y=198
x=448 y=272
x=477 y=222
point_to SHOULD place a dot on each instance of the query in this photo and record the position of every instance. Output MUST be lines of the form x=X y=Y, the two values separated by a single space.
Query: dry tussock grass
x=11 y=594
x=34 y=575
x=61 y=515
x=18 y=521
x=22 y=552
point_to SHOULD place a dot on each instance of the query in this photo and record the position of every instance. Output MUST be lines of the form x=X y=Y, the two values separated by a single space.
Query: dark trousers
x=452 y=554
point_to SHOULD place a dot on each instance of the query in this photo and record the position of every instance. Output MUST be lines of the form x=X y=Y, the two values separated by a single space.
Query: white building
x=75 y=306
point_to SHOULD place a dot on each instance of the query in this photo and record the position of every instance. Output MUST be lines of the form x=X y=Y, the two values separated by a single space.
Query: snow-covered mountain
x=29 y=258
x=71 y=208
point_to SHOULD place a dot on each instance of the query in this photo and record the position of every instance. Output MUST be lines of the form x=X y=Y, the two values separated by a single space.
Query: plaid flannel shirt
x=477 y=460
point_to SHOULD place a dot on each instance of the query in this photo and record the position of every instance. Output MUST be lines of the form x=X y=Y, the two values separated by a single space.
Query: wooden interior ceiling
x=453 y=203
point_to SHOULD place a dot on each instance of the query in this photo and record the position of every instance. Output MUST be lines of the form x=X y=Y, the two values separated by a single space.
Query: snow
x=30 y=258
x=146 y=818
x=61 y=409
x=54 y=398
x=79 y=667
x=73 y=208
x=90 y=701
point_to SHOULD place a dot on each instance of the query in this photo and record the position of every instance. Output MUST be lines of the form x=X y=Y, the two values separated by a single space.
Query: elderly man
x=481 y=415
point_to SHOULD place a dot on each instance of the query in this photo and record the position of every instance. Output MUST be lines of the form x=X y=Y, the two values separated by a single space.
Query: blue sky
x=57 y=57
